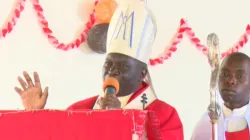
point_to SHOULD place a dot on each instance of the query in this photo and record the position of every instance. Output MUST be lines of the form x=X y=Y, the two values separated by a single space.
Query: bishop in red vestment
x=234 y=88
x=165 y=116
x=130 y=37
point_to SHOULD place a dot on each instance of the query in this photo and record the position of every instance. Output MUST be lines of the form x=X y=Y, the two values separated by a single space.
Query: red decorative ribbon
x=184 y=28
x=49 y=34
x=12 y=20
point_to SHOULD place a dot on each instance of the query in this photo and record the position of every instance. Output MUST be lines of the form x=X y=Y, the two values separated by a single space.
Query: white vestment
x=230 y=121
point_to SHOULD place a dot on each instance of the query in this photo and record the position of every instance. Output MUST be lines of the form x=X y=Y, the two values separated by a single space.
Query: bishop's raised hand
x=31 y=93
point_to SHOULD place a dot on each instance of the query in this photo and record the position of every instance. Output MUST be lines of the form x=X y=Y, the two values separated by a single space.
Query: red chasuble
x=240 y=135
x=164 y=123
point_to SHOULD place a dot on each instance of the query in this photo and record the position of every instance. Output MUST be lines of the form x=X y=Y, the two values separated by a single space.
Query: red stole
x=240 y=135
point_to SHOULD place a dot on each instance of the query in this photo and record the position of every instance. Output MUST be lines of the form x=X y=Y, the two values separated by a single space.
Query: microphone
x=111 y=86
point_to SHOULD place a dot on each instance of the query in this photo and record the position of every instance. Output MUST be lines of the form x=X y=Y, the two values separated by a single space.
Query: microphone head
x=111 y=82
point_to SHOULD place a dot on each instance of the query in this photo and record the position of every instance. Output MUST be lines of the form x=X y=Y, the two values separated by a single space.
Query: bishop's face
x=128 y=71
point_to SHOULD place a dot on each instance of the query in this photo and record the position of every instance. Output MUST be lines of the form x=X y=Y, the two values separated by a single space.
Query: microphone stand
x=214 y=109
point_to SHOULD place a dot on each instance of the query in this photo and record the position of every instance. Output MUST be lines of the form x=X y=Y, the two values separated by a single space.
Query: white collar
x=238 y=112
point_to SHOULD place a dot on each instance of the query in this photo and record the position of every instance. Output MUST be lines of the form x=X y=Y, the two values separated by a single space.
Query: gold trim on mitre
x=132 y=30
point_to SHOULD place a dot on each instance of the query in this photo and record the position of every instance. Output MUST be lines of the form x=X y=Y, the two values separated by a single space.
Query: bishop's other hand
x=31 y=92
x=110 y=101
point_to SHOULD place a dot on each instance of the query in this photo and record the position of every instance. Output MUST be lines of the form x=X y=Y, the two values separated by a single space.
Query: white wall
x=182 y=81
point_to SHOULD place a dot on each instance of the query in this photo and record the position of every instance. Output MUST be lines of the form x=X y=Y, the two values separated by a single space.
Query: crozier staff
x=214 y=109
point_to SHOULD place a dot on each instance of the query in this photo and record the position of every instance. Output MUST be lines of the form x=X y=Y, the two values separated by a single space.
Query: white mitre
x=132 y=30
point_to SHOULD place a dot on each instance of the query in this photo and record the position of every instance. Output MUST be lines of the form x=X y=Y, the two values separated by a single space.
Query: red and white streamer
x=11 y=21
x=49 y=34
x=184 y=28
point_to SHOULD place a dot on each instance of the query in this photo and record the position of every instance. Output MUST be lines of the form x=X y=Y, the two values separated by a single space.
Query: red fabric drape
x=72 y=125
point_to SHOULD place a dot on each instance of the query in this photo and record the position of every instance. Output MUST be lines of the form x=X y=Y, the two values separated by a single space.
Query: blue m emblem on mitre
x=131 y=31
x=124 y=28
